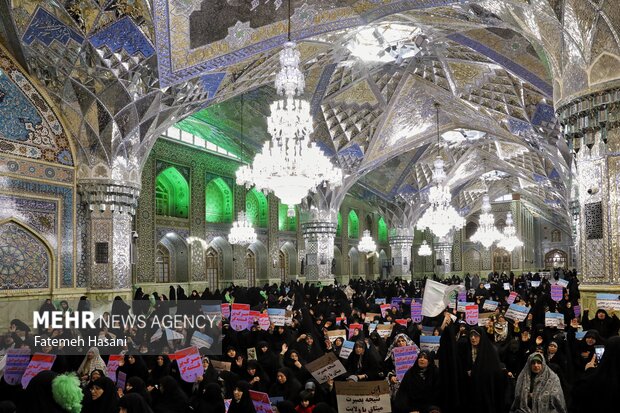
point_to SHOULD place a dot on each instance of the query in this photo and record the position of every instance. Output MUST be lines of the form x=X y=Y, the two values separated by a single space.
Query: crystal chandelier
x=289 y=165
x=242 y=232
x=366 y=245
x=440 y=217
x=510 y=241
x=487 y=233
x=424 y=250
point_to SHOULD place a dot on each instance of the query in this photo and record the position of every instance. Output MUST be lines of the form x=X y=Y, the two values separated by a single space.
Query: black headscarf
x=486 y=387
x=134 y=403
x=139 y=387
x=173 y=399
x=599 y=389
x=419 y=387
x=39 y=397
x=211 y=400
x=244 y=405
x=108 y=401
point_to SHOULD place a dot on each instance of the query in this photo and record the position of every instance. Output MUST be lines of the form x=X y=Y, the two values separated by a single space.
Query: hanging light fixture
x=367 y=245
x=440 y=217
x=242 y=232
x=424 y=250
x=289 y=165
x=510 y=241
x=487 y=233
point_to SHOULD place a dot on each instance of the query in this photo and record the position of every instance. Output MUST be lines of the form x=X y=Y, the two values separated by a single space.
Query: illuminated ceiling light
x=386 y=44
x=289 y=165
x=367 y=245
x=242 y=232
x=486 y=234
x=440 y=217
x=424 y=250
x=510 y=241
x=454 y=137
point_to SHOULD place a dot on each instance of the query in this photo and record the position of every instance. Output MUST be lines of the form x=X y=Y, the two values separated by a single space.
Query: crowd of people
x=501 y=366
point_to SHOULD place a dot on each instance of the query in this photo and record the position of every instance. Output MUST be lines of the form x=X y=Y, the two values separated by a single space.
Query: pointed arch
x=27 y=257
x=256 y=208
x=225 y=258
x=353 y=225
x=289 y=254
x=470 y=229
x=172 y=193
x=383 y=230
x=256 y=260
x=286 y=223
x=354 y=262
x=219 y=202
x=177 y=251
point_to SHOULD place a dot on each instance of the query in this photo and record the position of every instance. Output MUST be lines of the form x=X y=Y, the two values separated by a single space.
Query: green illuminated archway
x=171 y=193
x=339 y=227
x=354 y=225
x=256 y=208
x=286 y=223
x=383 y=230
x=219 y=202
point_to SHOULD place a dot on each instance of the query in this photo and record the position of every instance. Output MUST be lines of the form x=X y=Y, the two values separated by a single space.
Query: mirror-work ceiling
x=123 y=71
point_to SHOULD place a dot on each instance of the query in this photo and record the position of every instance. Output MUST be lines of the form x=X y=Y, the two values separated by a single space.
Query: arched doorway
x=162 y=264
x=384 y=264
x=250 y=267
x=556 y=259
x=337 y=266
x=501 y=260
x=175 y=253
x=354 y=262
x=288 y=261
x=213 y=268
x=224 y=260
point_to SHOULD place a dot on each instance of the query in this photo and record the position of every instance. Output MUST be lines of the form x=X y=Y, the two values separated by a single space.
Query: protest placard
x=339 y=320
x=346 y=350
x=556 y=292
x=535 y=284
x=580 y=334
x=334 y=334
x=221 y=365
x=353 y=327
x=563 y=283
x=384 y=330
x=577 y=310
x=460 y=307
x=370 y=317
x=113 y=363
x=471 y=315
x=239 y=316
x=380 y=301
x=277 y=316
x=190 y=364
x=517 y=312
x=261 y=402
x=264 y=322
x=429 y=343
x=200 y=340
x=157 y=335
x=17 y=361
x=384 y=309
x=483 y=319
x=363 y=397
x=326 y=367
x=608 y=302
x=226 y=311
x=252 y=353
x=253 y=318
x=490 y=305
x=401 y=321
x=462 y=296
x=511 y=297
x=486 y=286
x=173 y=335
x=554 y=320
x=121 y=380
x=404 y=358
x=38 y=363
x=416 y=312
x=507 y=286
x=349 y=291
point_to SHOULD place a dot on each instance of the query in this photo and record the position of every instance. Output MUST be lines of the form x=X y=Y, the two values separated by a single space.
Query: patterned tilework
x=39 y=214
x=210 y=83
x=24 y=259
x=82 y=250
x=544 y=114
x=125 y=35
x=321 y=88
x=28 y=126
x=46 y=28
x=23 y=167
x=66 y=195
x=514 y=67
x=178 y=62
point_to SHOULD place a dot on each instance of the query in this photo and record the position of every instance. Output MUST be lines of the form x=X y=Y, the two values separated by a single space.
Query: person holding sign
x=241 y=401
x=420 y=386
x=605 y=325
x=538 y=389
x=361 y=365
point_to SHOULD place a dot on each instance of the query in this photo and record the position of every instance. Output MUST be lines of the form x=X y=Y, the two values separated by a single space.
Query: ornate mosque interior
x=123 y=123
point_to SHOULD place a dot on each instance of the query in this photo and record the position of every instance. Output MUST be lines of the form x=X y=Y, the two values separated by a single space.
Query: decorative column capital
x=318 y=229
x=110 y=196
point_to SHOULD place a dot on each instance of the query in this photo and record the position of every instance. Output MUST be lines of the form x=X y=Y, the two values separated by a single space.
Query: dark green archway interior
x=383 y=230
x=172 y=193
x=286 y=223
x=353 y=227
x=256 y=208
x=219 y=202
